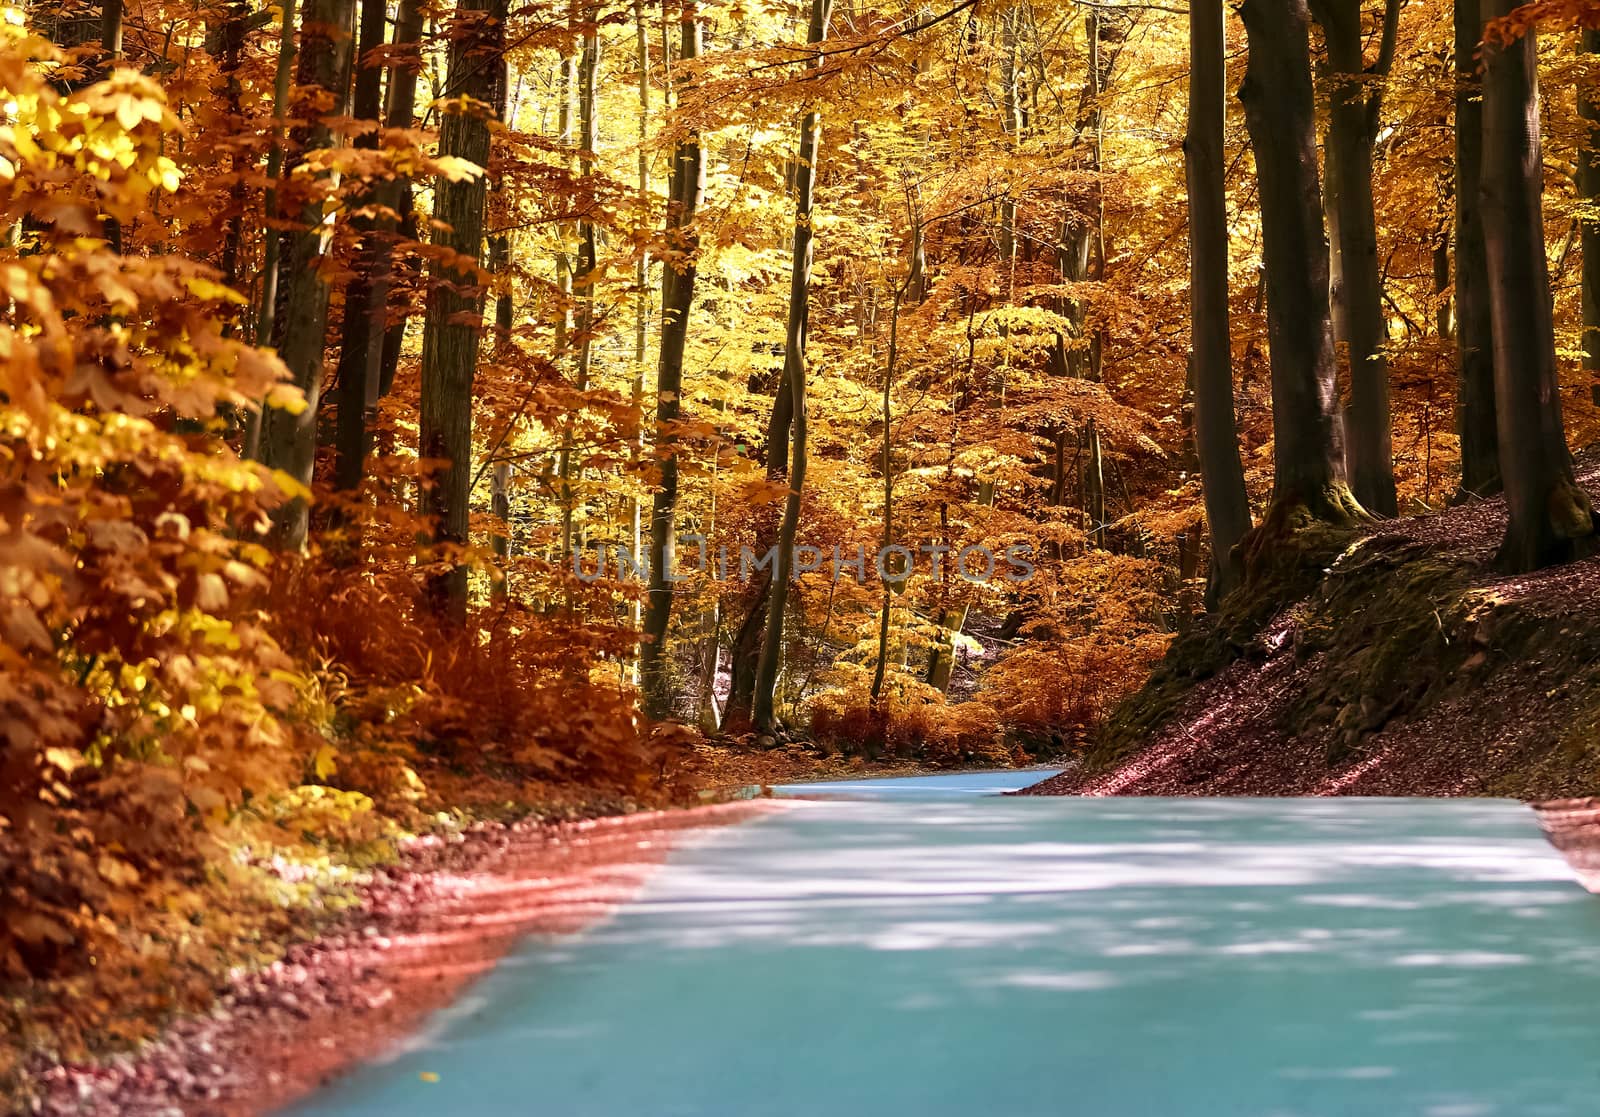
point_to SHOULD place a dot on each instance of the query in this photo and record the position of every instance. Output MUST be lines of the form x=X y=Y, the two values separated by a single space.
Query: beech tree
x=1216 y=439
x=794 y=379
x=679 y=265
x=453 y=324
x=1356 y=99
x=1550 y=516
x=366 y=296
x=1280 y=111
x=300 y=318
x=1476 y=423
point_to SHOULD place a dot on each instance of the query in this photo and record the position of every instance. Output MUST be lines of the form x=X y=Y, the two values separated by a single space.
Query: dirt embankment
x=424 y=928
x=1389 y=662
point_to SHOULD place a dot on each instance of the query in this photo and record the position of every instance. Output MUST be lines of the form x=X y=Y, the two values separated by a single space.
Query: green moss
x=1390 y=616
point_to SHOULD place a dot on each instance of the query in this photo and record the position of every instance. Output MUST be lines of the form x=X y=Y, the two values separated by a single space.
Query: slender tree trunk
x=499 y=246
x=362 y=346
x=744 y=657
x=711 y=628
x=400 y=108
x=794 y=376
x=452 y=323
x=111 y=45
x=1550 y=517
x=641 y=298
x=1094 y=485
x=1215 y=437
x=952 y=622
x=1589 y=195
x=677 y=298
x=1352 y=132
x=880 y=671
x=267 y=301
x=750 y=640
x=500 y=506
x=300 y=324
x=1280 y=112
x=1080 y=254
x=567 y=78
x=111 y=32
x=1476 y=421
x=229 y=49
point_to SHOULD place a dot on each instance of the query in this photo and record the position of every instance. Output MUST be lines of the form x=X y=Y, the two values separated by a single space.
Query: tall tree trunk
x=1550 y=517
x=500 y=540
x=744 y=658
x=499 y=245
x=400 y=108
x=567 y=78
x=794 y=376
x=1094 y=485
x=580 y=282
x=880 y=670
x=677 y=297
x=952 y=622
x=1589 y=195
x=453 y=319
x=229 y=50
x=1280 y=112
x=1475 y=403
x=641 y=297
x=1215 y=437
x=1352 y=132
x=1080 y=255
x=361 y=347
x=300 y=325
x=111 y=45
x=267 y=300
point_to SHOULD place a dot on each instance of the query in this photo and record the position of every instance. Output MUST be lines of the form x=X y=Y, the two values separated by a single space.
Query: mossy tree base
x=1563 y=530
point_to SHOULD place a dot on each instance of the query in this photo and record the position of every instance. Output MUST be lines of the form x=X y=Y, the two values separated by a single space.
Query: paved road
x=931 y=952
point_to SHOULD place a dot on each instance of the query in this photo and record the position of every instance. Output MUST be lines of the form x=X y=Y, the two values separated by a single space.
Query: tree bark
x=1589 y=195
x=567 y=76
x=400 y=107
x=361 y=348
x=641 y=298
x=452 y=323
x=880 y=670
x=794 y=377
x=1475 y=403
x=1215 y=436
x=300 y=323
x=1352 y=132
x=677 y=298
x=1550 y=517
x=1280 y=112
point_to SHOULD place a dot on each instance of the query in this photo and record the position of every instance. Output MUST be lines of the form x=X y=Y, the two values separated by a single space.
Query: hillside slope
x=1403 y=665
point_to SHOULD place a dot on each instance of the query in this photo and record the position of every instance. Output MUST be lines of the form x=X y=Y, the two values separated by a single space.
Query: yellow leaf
x=428 y=1076
x=325 y=762
x=68 y=760
x=286 y=397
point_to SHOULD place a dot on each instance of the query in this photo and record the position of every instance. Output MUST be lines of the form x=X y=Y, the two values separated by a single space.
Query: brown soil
x=423 y=930
x=1412 y=668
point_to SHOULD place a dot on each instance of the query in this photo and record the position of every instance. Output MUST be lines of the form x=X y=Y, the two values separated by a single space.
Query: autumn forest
x=415 y=411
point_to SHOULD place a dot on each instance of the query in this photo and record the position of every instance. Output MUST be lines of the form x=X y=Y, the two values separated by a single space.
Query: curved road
x=929 y=950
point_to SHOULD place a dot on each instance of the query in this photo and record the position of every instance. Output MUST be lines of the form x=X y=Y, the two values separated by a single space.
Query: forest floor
x=1401 y=664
